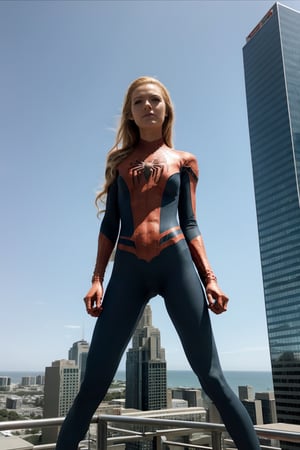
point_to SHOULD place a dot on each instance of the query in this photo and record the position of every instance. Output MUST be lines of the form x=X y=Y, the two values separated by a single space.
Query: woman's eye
x=136 y=102
x=156 y=99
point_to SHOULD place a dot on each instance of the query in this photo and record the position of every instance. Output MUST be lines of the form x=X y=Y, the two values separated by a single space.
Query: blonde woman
x=150 y=215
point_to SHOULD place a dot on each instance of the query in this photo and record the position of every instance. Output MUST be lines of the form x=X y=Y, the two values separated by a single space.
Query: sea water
x=261 y=381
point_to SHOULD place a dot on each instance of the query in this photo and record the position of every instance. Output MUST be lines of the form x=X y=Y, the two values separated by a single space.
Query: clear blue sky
x=65 y=67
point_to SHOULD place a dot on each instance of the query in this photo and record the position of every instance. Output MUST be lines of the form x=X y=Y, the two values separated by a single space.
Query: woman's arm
x=187 y=216
x=109 y=231
x=108 y=235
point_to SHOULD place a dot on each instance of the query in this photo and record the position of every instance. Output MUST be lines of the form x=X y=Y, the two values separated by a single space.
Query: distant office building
x=192 y=396
x=272 y=68
x=246 y=393
x=13 y=402
x=268 y=406
x=78 y=353
x=5 y=383
x=40 y=380
x=260 y=405
x=146 y=368
x=61 y=387
x=28 y=381
x=255 y=411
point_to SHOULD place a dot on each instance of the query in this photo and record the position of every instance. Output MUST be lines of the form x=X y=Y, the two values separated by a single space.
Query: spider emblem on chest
x=146 y=169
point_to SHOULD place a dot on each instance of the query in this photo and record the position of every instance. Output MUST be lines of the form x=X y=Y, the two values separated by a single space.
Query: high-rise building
x=40 y=380
x=78 y=353
x=254 y=410
x=268 y=406
x=5 y=383
x=61 y=387
x=192 y=396
x=28 y=381
x=146 y=368
x=246 y=393
x=272 y=78
x=13 y=402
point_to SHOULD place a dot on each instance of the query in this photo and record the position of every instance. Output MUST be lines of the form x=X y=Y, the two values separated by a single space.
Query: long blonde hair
x=128 y=134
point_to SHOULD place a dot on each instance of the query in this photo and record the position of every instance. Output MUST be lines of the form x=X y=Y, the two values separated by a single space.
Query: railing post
x=216 y=440
x=158 y=442
x=101 y=434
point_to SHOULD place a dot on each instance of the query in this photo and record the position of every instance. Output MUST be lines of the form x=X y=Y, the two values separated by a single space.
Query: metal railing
x=159 y=436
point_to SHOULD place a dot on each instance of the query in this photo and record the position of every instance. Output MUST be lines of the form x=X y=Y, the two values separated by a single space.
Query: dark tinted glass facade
x=272 y=78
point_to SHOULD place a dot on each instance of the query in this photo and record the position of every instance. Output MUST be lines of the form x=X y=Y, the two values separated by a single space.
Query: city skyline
x=65 y=68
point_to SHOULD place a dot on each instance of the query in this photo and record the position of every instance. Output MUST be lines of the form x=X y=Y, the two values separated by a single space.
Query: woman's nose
x=147 y=104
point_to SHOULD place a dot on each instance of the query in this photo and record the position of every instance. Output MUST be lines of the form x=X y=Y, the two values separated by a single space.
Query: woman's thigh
x=187 y=307
x=123 y=304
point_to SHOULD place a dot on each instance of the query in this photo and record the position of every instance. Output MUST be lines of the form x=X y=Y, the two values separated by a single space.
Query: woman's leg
x=187 y=307
x=123 y=304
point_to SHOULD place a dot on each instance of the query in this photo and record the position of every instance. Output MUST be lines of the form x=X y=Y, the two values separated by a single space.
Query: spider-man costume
x=153 y=197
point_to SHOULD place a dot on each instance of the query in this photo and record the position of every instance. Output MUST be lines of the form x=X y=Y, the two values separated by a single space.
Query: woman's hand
x=93 y=299
x=217 y=300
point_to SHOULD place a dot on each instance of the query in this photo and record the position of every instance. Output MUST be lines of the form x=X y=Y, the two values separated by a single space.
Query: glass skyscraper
x=78 y=353
x=272 y=78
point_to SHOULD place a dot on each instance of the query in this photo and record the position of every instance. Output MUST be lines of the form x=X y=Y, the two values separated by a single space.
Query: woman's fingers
x=217 y=305
x=93 y=308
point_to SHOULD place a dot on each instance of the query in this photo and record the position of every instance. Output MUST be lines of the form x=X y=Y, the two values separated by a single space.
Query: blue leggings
x=132 y=284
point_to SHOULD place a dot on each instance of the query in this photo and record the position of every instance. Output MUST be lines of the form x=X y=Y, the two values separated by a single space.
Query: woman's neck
x=149 y=146
x=150 y=135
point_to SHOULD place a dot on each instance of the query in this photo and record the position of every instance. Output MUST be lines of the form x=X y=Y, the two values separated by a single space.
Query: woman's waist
x=148 y=245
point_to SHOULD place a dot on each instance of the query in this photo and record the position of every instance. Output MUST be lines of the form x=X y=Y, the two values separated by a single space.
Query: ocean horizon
x=261 y=381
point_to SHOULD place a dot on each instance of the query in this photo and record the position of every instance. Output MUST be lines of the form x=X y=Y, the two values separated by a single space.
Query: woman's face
x=148 y=108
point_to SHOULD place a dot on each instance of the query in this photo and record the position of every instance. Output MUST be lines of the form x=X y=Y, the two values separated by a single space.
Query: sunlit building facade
x=61 y=387
x=272 y=78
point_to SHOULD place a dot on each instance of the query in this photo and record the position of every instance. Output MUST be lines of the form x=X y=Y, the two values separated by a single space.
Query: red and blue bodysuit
x=150 y=214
